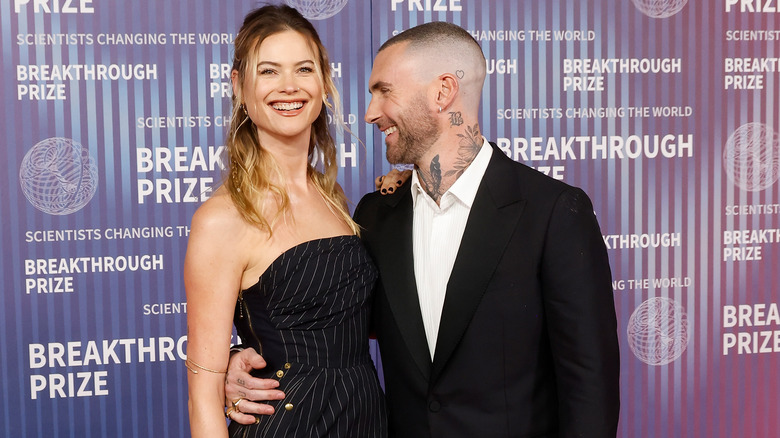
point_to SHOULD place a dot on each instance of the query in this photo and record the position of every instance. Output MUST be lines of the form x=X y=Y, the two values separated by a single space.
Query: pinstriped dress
x=308 y=316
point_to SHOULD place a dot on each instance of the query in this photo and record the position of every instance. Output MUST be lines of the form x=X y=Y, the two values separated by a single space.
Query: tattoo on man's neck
x=456 y=118
x=468 y=147
x=432 y=179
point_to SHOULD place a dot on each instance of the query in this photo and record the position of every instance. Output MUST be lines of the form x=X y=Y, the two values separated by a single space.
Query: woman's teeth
x=287 y=106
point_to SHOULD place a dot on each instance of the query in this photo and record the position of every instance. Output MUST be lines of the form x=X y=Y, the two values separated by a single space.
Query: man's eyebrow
x=377 y=85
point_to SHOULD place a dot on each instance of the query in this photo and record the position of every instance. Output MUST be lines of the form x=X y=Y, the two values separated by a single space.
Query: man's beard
x=417 y=132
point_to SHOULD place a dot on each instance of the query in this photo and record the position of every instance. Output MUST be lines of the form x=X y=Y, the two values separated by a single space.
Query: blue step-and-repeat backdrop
x=667 y=112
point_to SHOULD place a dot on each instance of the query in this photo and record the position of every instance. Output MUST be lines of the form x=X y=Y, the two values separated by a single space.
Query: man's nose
x=372 y=115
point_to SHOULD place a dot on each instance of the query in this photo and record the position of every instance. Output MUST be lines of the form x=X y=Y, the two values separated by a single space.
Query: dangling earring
x=241 y=106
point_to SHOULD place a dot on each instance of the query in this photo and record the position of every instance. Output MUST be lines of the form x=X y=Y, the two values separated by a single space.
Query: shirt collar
x=465 y=187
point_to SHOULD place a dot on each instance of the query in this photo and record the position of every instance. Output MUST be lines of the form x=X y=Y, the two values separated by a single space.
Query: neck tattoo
x=435 y=181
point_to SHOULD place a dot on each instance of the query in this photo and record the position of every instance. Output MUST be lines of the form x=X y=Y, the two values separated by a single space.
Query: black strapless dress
x=308 y=315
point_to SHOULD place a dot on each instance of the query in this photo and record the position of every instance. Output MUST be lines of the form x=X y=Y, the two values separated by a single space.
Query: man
x=494 y=311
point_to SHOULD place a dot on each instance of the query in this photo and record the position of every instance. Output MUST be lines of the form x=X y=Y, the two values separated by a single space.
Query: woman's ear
x=236 y=85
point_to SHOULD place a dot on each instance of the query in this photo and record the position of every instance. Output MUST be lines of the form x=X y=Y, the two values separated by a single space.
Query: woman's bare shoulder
x=217 y=211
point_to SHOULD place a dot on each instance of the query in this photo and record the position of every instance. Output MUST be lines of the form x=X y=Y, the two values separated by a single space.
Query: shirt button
x=287 y=366
x=289 y=406
x=279 y=374
x=434 y=406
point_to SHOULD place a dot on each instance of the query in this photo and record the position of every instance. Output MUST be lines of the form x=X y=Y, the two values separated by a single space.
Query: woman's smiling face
x=284 y=92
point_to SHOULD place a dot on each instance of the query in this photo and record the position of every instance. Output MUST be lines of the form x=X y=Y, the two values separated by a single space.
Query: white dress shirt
x=437 y=231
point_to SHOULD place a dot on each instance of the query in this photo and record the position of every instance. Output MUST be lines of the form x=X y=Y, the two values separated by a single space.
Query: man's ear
x=447 y=88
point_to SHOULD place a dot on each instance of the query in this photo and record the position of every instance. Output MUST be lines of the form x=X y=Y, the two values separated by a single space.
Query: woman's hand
x=387 y=184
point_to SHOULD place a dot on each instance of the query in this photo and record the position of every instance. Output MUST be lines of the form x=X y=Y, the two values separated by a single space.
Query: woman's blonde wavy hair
x=253 y=174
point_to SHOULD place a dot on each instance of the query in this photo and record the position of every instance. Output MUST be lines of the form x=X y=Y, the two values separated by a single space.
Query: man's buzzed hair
x=444 y=47
x=436 y=33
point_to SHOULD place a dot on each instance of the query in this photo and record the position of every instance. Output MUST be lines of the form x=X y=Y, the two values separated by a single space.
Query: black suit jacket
x=527 y=345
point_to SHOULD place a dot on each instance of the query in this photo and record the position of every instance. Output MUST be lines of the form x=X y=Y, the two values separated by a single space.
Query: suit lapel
x=396 y=263
x=494 y=216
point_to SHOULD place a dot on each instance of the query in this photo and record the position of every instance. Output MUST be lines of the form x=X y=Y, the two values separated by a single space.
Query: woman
x=276 y=251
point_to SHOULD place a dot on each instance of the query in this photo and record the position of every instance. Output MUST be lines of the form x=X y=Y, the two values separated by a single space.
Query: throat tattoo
x=434 y=182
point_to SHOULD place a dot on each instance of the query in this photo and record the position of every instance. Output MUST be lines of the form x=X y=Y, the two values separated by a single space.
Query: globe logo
x=317 y=9
x=660 y=8
x=751 y=158
x=58 y=176
x=658 y=331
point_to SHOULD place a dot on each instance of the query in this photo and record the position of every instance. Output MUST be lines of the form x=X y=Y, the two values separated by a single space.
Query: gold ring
x=257 y=420
x=229 y=411
x=236 y=402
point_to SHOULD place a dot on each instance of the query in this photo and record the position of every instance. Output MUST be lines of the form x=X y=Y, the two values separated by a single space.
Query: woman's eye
x=306 y=70
x=266 y=71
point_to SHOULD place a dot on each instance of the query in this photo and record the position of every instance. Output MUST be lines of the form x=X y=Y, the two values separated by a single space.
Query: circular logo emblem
x=317 y=9
x=751 y=158
x=660 y=8
x=58 y=176
x=658 y=331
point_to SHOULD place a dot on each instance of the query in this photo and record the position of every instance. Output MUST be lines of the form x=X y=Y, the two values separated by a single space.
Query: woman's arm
x=212 y=278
